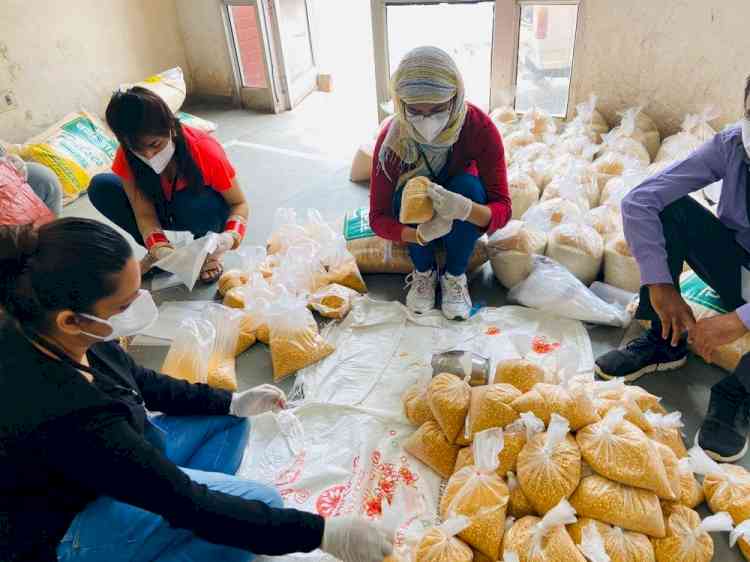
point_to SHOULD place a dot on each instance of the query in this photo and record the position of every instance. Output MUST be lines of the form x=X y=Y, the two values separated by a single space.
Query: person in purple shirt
x=665 y=228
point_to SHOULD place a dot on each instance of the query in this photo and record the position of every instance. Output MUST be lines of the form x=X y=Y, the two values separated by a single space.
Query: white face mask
x=141 y=314
x=159 y=160
x=430 y=127
x=746 y=135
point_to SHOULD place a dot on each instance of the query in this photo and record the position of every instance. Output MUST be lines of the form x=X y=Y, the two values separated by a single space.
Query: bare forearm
x=240 y=209
x=409 y=235
x=480 y=215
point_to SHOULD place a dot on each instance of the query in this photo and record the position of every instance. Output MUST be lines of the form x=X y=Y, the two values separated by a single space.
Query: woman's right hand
x=435 y=228
x=354 y=539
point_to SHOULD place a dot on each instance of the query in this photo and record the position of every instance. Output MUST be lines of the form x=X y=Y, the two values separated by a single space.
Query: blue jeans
x=460 y=241
x=209 y=450
x=198 y=213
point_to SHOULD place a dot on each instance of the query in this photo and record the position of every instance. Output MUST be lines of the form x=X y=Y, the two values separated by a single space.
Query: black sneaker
x=723 y=434
x=643 y=355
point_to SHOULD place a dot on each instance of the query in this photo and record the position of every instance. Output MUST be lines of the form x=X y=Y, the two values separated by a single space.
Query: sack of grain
x=548 y=214
x=741 y=533
x=491 y=407
x=589 y=120
x=616 y=143
x=576 y=181
x=189 y=354
x=505 y=112
x=518 y=504
x=634 y=509
x=333 y=301
x=617 y=449
x=620 y=267
x=441 y=545
x=695 y=131
x=169 y=85
x=606 y=220
x=618 y=187
x=416 y=205
x=520 y=373
x=549 y=466
x=517 y=140
x=449 y=398
x=478 y=493
x=511 y=250
x=687 y=537
x=640 y=127
x=524 y=192
x=726 y=486
x=429 y=445
x=295 y=341
x=540 y=123
x=619 y=545
x=666 y=430
x=416 y=406
x=377 y=255
x=362 y=162
x=545 y=399
x=579 y=248
x=539 y=540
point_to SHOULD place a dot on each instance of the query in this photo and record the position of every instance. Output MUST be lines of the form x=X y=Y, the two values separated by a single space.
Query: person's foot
x=723 y=434
x=646 y=354
x=456 y=302
x=211 y=270
x=421 y=295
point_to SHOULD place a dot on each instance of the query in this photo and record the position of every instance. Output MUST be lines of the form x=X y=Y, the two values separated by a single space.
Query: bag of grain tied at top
x=490 y=407
x=518 y=504
x=546 y=399
x=687 y=538
x=691 y=491
x=666 y=430
x=617 y=449
x=478 y=493
x=429 y=445
x=579 y=248
x=545 y=539
x=524 y=193
x=449 y=398
x=741 y=533
x=511 y=250
x=549 y=466
x=621 y=269
x=441 y=545
x=726 y=486
x=189 y=354
x=416 y=406
x=619 y=545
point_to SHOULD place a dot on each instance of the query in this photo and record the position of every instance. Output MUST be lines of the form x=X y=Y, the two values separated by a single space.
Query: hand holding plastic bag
x=186 y=262
x=354 y=539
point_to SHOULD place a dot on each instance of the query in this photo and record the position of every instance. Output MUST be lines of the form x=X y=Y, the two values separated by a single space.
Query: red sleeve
x=382 y=221
x=120 y=165
x=218 y=172
x=493 y=172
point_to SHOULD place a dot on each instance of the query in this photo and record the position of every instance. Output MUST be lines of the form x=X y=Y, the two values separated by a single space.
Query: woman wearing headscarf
x=436 y=133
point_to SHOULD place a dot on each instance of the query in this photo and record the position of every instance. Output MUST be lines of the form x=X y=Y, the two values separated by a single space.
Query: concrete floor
x=301 y=159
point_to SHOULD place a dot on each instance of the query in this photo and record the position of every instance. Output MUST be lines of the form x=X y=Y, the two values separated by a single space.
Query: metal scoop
x=463 y=364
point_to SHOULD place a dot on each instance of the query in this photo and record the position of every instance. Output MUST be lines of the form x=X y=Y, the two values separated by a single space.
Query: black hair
x=137 y=112
x=69 y=263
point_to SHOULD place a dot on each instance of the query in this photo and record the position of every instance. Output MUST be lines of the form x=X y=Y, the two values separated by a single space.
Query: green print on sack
x=357 y=224
x=696 y=291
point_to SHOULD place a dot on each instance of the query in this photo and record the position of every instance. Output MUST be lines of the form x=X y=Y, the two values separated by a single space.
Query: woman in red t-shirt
x=435 y=133
x=168 y=176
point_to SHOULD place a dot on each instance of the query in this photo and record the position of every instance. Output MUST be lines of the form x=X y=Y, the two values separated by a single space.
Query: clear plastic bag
x=188 y=356
x=285 y=232
x=618 y=450
x=250 y=259
x=186 y=262
x=691 y=492
x=295 y=341
x=333 y=301
x=478 y=493
x=505 y=113
x=579 y=248
x=619 y=545
x=416 y=205
x=617 y=142
x=666 y=430
x=606 y=220
x=545 y=539
x=221 y=366
x=548 y=214
x=518 y=504
x=540 y=123
x=341 y=267
x=576 y=182
x=552 y=288
x=621 y=269
x=511 y=250
x=429 y=445
x=416 y=406
x=687 y=538
x=640 y=127
x=587 y=120
x=741 y=533
x=524 y=192
x=256 y=301
x=549 y=466
x=449 y=398
x=440 y=544
x=491 y=407
x=520 y=373
x=726 y=486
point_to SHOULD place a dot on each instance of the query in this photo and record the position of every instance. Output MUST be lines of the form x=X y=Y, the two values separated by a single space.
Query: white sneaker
x=456 y=300
x=421 y=295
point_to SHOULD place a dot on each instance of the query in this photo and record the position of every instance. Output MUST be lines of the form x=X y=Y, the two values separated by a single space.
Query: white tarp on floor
x=339 y=450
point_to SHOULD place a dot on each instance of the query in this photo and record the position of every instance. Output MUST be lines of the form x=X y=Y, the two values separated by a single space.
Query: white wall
x=671 y=55
x=202 y=28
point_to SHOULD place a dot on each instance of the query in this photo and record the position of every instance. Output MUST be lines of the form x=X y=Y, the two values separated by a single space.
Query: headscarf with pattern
x=425 y=75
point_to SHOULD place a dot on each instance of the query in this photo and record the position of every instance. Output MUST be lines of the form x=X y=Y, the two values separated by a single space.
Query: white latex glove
x=226 y=243
x=257 y=400
x=354 y=539
x=449 y=205
x=435 y=228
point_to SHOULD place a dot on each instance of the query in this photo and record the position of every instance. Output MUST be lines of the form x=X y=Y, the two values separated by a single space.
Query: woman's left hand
x=449 y=205
x=263 y=398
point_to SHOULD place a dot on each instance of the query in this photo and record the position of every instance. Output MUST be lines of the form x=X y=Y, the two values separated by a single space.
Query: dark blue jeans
x=198 y=213
x=460 y=241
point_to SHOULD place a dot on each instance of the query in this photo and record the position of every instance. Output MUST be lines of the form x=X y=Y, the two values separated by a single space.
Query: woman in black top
x=84 y=472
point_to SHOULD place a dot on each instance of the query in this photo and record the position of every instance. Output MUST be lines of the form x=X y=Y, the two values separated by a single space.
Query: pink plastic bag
x=18 y=202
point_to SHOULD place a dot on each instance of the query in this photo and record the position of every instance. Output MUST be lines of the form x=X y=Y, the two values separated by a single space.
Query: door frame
x=504 y=59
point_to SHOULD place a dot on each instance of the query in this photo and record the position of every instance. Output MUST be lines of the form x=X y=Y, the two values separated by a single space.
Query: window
x=462 y=30
x=545 y=57
x=247 y=41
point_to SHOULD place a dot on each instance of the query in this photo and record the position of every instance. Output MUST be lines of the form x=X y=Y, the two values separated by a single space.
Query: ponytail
x=68 y=263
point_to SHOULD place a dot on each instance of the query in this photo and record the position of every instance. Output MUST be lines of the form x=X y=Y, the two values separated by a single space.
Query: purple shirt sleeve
x=744 y=313
x=642 y=206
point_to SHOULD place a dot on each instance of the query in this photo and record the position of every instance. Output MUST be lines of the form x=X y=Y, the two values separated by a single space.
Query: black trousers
x=696 y=236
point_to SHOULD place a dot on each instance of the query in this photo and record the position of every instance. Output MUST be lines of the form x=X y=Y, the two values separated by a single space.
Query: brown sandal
x=215 y=267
